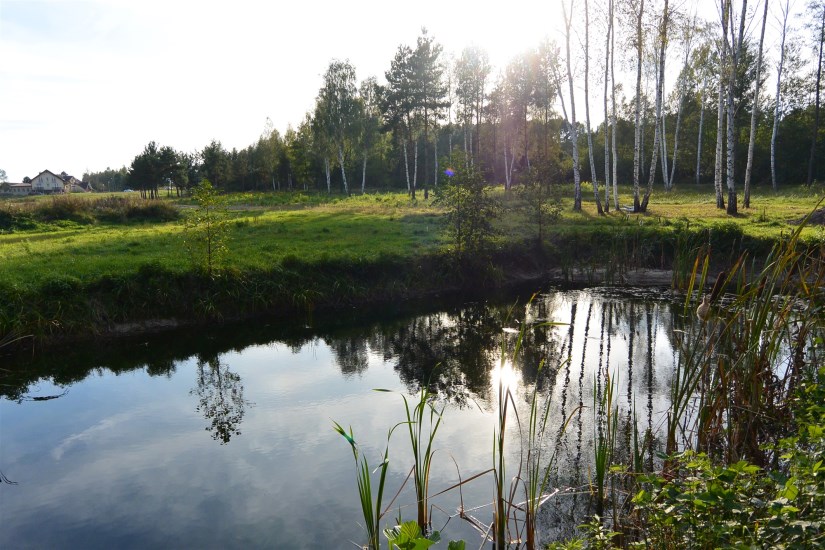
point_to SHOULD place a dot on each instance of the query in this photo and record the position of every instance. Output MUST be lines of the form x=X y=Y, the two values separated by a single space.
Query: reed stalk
x=604 y=441
x=422 y=449
x=370 y=506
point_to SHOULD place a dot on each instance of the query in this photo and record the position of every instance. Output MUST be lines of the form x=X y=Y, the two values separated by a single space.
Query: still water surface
x=224 y=439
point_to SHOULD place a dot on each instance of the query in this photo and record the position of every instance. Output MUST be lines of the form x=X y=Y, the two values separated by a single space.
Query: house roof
x=67 y=179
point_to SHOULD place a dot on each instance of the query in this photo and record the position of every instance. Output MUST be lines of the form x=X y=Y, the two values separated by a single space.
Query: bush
x=65 y=208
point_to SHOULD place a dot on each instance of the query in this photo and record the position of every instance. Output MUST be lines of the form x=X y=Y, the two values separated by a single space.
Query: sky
x=85 y=85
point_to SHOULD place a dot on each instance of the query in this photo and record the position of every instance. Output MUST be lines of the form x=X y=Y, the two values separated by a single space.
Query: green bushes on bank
x=20 y=216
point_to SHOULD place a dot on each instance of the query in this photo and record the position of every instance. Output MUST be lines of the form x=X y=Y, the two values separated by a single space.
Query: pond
x=224 y=438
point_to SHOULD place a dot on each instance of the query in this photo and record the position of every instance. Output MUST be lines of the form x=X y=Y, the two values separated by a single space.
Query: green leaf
x=456 y=545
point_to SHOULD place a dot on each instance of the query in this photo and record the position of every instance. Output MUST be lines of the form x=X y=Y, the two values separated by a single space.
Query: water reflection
x=298 y=379
x=220 y=398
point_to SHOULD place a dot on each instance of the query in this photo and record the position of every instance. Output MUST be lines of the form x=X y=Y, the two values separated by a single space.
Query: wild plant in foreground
x=422 y=448
x=604 y=441
x=537 y=470
x=371 y=510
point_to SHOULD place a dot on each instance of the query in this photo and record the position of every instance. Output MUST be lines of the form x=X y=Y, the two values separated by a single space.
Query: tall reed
x=604 y=441
x=422 y=449
x=370 y=506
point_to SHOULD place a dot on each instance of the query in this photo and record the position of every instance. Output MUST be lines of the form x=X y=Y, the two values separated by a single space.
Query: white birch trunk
x=746 y=201
x=664 y=149
x=577 y=187
x=776 y=108
x=637 y=134
x=326 y=169
x=364 y=173
x=343 y=171
x=720 y=111
x=736 y=51
x=593 y=174
x=606 y=112
x=659 y=93
x=406 y=166
x=435 y=155
x=613 y=111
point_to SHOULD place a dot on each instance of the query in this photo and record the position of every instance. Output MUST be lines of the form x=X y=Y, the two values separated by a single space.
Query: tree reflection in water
x=220 y=394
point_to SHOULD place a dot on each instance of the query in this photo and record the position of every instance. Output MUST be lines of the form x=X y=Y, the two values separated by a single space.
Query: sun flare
x=505 y=376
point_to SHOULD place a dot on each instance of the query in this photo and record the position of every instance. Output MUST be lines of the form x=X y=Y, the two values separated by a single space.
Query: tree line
x=722 y=120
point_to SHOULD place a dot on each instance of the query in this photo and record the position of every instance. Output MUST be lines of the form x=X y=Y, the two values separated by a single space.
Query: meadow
x=58 y=253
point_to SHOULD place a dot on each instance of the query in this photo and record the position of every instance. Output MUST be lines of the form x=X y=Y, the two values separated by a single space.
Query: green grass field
x=268 y=231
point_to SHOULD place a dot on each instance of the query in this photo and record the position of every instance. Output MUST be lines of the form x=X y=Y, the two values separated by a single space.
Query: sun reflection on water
x=505 y=375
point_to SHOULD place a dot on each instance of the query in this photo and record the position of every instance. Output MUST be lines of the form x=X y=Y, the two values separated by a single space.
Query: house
x=48 y=182
x=19 y=189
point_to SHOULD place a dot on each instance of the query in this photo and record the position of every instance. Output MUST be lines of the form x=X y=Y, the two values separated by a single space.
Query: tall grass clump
x=745 y=432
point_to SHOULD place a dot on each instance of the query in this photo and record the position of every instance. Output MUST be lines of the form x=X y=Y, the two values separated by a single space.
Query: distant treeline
x=402 y=133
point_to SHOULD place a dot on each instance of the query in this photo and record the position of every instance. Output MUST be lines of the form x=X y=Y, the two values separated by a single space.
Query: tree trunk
x=415 y=170
x=736 y=51
x=435 y=161
x=364 y=173
x=665 y=170
x=659 y=93
x=606 y=111
x=406 y=166
x=613 y=111
x=593 y=176
x=343 y=171
x=637 y=137
x=701 y=129
x=812 y=159
x=329 y=182
x=775 y=130
x=577 y=187
x=720 y=112
x=746 y=201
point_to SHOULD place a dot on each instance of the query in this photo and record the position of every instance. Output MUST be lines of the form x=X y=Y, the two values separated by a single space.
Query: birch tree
x=720 y=113
x=593 y=175
x=820 y=39
x=613 y=106
x=607 y=119
x=577 y=188
x=338 y=112
x=732 y=72
x=746 y=200
x=660 y=82
x=368 y=123
x=637 y=136
x=785 y=9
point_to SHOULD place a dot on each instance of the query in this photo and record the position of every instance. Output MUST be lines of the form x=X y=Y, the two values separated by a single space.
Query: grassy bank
x=82 y=265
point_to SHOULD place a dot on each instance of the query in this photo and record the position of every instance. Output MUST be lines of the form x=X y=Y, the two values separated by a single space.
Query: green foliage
x=370 y=504
x=421 y=444
x=470 y=209
x=542 y=200
x=207 y=229
x=408 y=536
